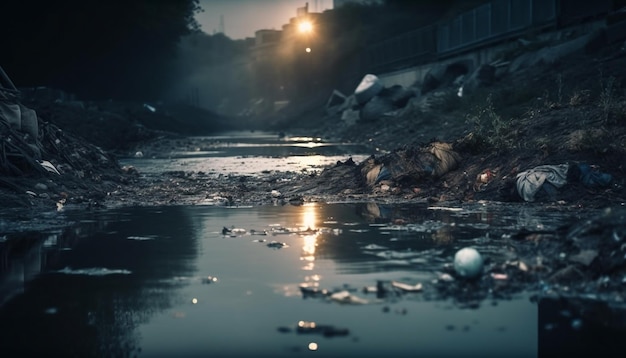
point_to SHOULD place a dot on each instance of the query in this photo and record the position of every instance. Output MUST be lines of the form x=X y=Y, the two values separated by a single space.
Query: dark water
x=167 y=282
x=135 y=282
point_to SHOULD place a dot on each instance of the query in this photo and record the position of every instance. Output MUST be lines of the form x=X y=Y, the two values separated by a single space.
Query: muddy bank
x=493 y=139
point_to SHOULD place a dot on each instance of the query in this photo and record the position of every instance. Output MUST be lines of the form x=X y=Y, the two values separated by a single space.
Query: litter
x=347 y=297
x=468 y=263
x=545 y=179
x=405 y=287
x=48 y=166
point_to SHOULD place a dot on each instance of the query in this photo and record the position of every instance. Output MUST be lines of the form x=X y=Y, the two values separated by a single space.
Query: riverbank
x=572 y=112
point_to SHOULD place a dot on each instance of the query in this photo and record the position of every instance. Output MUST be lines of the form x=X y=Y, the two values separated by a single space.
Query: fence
x=493 y=21
x=417 y=46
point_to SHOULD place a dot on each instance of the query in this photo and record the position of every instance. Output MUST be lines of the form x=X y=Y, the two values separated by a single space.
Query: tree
x=94 y=48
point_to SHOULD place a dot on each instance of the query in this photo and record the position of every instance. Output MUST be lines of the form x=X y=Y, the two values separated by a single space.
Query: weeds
x=579 y=98
x=607 y=97
x=490 y=126
x=559 y=91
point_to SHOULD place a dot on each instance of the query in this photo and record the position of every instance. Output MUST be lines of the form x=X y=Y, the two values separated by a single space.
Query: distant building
x=283 y=61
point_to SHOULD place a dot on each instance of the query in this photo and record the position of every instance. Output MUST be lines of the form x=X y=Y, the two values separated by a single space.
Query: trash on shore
x=544 y=180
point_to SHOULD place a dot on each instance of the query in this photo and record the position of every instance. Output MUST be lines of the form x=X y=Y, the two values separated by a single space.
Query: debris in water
x=276 y=245
x=407 y=288
x=346 y=297
x=209 y=279
x=468 y=263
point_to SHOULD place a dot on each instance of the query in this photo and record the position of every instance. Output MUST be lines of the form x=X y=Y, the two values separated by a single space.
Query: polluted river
x=337 y=278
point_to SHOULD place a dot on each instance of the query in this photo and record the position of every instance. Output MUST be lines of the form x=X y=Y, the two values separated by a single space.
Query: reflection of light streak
x=309 y=244
x=305 y=139
x=312 y=160
x=309 y=217
x=309 y=222
x=311 y=145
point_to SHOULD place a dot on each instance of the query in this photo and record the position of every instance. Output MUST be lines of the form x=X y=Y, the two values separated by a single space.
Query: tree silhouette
x=94 y=48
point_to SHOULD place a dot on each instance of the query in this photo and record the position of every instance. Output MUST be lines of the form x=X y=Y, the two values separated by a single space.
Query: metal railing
x=403 y=50
x=492 y=21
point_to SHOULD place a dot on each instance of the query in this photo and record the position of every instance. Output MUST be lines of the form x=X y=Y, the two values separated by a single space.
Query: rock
x=433 y=78
x=350 y=116
x=484 y=75
x=584 y=257
x=549 y=55
x=369 y=87
x=335 y=102
x=375 y=108
x=398 y=95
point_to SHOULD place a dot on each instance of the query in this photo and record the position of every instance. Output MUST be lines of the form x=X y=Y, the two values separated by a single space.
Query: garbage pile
x=39 y=159
x=369 y=102
x=542 y=182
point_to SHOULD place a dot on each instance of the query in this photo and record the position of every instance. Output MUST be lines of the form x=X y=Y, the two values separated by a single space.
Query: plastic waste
x=48 y=166
x=592 y=178
x=369 y=87
x=468 y=263
x=346 y=297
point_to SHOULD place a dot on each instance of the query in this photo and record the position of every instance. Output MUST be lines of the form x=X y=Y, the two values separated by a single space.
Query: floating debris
x=233 y=231
x=468 y=263
x=312 y=291
x=209 y=279
x=499 y=276
x=407 y=288
x=140 y=238
x=347 y=298
x=309 y=327
x=277 y=245
x=96 y=271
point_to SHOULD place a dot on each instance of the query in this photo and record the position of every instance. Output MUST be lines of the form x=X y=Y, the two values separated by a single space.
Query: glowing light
x=309 y=217
x=305 y=27
x=309 y=245
x=312 y=346
x=306 y=324
x=194 y=300
x=308 y=49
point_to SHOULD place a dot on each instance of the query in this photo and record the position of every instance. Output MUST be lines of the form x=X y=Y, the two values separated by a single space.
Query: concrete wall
x=473 y=59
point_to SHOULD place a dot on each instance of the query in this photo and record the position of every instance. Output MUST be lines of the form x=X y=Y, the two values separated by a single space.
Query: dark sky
x=243 y=17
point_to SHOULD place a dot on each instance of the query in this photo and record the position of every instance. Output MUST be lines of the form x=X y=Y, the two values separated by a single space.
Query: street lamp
x=305 y=27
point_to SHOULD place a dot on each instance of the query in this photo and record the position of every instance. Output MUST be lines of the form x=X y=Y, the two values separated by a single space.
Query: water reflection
x=143 y=281
x=309 y=237
x=249 y=153
x=90 y=286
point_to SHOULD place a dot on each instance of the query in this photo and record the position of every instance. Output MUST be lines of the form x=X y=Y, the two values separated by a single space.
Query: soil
x=570 y=112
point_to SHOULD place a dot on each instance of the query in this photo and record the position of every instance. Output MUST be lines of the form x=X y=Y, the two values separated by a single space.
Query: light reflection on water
x=135 y=281
x=248 y=153
x=166 y=281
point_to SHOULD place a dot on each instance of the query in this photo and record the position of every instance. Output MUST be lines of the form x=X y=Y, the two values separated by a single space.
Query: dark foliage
x=94 y=48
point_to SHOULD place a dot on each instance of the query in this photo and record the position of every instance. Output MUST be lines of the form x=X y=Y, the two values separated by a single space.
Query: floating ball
x=468 y=263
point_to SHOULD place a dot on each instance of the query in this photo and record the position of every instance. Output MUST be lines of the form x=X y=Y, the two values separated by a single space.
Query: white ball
x=468 y=263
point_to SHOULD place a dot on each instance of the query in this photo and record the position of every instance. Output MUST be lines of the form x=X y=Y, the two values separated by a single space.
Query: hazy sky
x=243 y=17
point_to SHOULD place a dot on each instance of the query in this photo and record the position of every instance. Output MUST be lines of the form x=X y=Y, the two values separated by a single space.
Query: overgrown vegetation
x=490 y=127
